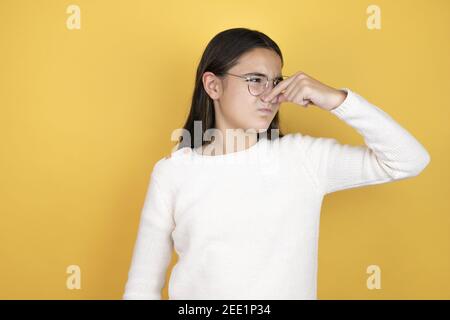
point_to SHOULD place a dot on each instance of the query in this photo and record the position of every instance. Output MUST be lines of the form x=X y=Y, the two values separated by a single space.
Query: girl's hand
x=302 y=89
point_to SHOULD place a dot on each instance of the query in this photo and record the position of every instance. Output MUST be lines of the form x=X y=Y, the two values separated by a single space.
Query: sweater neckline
x=247 y=151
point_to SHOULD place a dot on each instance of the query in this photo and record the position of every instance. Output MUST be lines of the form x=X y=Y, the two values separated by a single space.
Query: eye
x=277 y=81
x=255 y=79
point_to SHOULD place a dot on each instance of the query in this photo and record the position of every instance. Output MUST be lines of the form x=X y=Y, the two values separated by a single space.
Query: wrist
x=339 y=99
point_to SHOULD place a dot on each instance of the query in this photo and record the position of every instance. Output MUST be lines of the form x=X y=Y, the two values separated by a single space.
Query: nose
x=266 y=91
x=265 y=95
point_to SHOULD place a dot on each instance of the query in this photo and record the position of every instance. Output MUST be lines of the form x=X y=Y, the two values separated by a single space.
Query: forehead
x=260 y=60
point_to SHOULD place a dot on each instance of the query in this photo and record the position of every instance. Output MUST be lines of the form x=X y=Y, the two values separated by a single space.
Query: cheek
x=239 y=103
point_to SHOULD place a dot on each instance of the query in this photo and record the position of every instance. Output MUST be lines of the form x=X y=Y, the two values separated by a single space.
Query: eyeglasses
x=258 y=83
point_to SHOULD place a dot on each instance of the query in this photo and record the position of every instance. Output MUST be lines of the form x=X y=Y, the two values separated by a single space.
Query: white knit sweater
x=245 y=224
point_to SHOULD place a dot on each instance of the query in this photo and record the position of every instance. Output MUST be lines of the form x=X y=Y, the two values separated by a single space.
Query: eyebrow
x=260 y=74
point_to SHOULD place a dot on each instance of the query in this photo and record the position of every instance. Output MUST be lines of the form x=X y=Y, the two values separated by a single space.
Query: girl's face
x=235 y=107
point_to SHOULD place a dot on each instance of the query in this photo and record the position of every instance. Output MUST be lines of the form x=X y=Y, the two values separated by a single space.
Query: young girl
x=244 y=218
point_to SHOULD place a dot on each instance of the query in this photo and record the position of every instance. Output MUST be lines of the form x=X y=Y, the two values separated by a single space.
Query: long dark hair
x=220 y=55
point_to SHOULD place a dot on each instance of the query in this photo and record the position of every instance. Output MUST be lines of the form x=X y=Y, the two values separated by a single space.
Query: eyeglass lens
x=258 y=84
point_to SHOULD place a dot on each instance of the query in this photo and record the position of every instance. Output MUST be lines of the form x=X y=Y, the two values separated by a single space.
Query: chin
x=260 y=126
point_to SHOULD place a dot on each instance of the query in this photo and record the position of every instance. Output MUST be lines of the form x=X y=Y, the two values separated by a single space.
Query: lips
x=265 y=109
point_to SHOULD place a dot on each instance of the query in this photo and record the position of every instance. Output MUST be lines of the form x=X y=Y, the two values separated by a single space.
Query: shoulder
x=304 y=143
x=170 y=162
x=293 y=139
x=176 y=151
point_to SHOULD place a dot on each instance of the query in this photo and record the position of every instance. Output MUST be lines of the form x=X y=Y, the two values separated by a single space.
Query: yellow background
x=85 y=114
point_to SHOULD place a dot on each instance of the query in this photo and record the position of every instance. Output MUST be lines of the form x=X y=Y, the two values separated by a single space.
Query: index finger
x=280 y=87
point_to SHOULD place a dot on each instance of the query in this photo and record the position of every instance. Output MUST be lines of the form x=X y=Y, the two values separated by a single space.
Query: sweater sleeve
x=391 y=152
x=153 y=247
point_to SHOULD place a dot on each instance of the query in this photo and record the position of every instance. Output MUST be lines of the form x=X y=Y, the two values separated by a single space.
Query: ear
x=212 y=85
